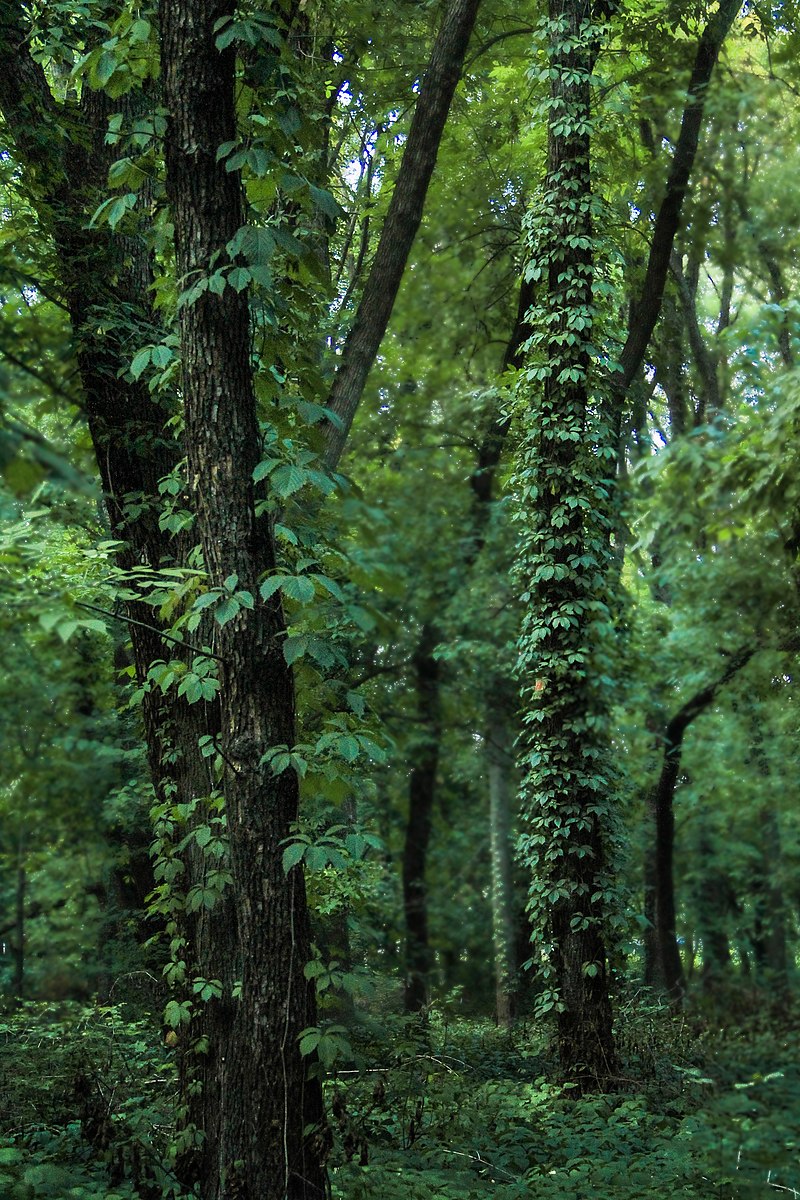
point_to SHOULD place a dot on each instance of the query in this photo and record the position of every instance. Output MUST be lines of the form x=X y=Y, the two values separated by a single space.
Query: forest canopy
x=399 y=533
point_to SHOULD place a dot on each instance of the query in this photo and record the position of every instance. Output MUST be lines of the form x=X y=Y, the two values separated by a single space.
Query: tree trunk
x=566 y=564
x=269 y=1139
x=769 y=937
x=421 y=798
x=664 y=969
x=713 y=908
x=19 y=930
x=587 y=1054
x=422 y=782
x=770 y=947
x=500 y=761
x=648 y=306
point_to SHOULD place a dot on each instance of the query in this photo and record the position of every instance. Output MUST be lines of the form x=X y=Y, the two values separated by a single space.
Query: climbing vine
x=562 y=485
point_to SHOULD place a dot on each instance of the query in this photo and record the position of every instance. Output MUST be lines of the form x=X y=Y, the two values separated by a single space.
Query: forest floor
x=448 y=1109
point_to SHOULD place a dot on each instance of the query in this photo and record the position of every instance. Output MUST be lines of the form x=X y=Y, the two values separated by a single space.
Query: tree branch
x=677 y=725
x=165 y=637
x=47 y=456
x=645 y=311
x=402 y=221
x=711 y=398
x=482 y=478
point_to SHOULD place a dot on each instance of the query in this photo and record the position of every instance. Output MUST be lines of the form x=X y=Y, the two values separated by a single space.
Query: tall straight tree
x=267 y=1114
x=570 y=410
x=563 y=461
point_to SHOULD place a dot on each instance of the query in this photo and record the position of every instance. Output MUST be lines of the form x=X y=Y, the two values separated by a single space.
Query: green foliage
x=706 y=552
x=443 y=1108
x=446 y=1108
x=88 y=1092
x=461 y=1110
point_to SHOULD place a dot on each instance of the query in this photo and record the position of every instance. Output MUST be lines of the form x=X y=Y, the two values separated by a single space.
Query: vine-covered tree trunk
x=269 y=1143
x=565 y=564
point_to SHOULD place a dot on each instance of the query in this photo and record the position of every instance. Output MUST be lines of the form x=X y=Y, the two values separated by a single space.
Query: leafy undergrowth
x=441 y=1110
x=87 y=1092
x=466 y=1111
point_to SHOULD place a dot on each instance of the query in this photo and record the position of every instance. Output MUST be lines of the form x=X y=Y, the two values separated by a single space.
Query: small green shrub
x=89 y=1093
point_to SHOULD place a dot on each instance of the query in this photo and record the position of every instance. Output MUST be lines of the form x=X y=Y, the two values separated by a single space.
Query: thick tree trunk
x=421 y=799
x=586 y=1048
x=269 y=1143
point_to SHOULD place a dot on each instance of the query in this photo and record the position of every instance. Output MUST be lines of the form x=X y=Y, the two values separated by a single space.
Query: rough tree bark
x=270 y=1139
x=104 y=283
x=102 y=275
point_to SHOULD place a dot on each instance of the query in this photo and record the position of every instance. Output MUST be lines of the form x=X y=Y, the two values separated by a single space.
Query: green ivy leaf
x=298 y=587
x=288 y=479
x=226 y=610
x=293 y=855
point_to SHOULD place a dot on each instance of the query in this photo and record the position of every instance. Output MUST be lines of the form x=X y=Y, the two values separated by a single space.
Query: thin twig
x=167 y=637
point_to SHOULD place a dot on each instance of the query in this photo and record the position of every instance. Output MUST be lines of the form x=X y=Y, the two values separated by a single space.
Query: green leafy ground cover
x=443 y=1111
